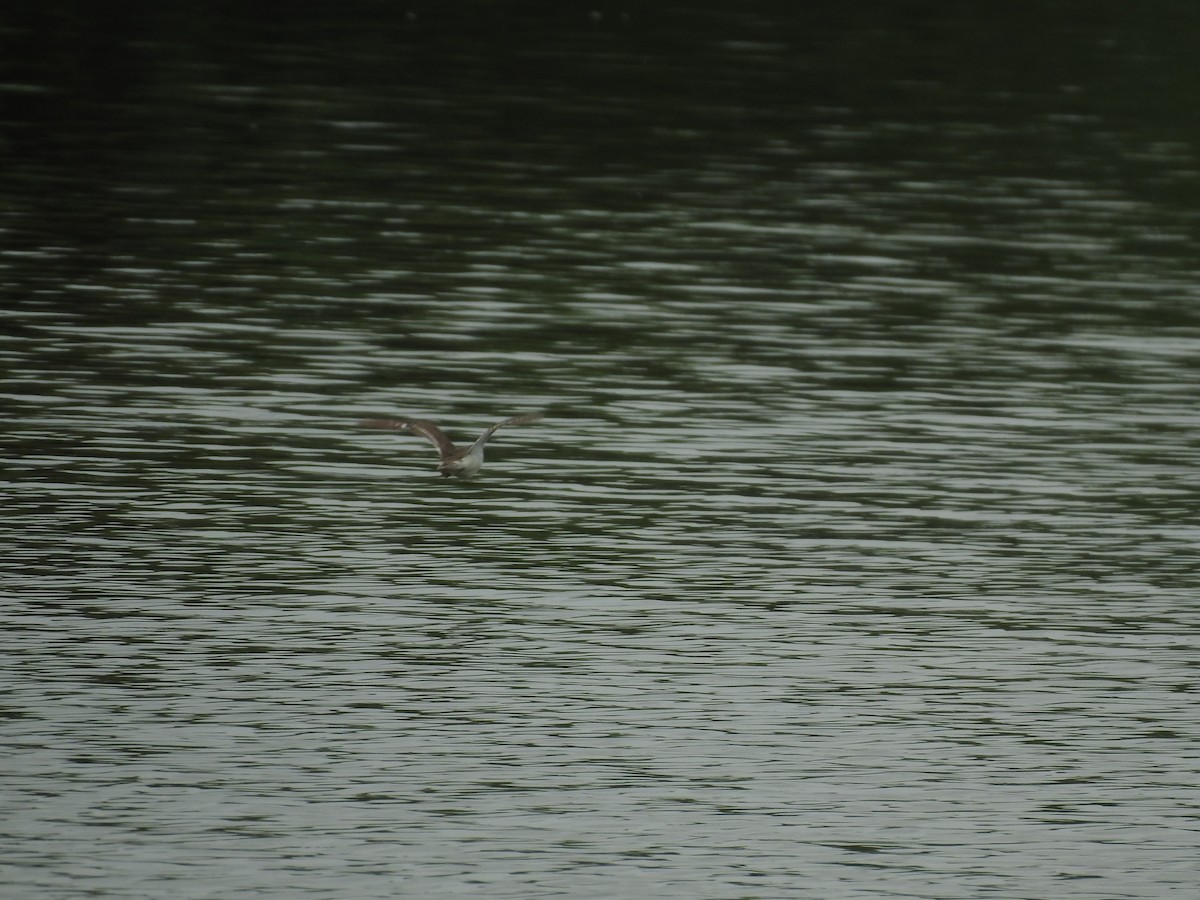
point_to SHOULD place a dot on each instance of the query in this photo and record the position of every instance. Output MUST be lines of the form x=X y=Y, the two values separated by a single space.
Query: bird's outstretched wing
x=427 y=430
x=523 y=419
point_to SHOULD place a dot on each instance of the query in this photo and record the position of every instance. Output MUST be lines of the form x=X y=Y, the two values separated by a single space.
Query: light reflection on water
x=783 y=629
x=854 y=557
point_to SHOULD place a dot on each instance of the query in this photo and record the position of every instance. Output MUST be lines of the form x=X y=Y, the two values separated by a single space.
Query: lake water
x=856 y=555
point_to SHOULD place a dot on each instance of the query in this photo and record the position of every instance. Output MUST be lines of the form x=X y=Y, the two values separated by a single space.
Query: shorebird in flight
x=461 y=461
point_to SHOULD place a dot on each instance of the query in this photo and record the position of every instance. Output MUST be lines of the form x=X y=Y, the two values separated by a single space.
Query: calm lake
x=857 y=555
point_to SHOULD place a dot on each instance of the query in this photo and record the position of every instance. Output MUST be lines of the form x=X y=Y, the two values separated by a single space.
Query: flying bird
x=460 y=461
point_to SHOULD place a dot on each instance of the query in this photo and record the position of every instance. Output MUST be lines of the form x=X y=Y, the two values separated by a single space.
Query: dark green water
x=856 y=556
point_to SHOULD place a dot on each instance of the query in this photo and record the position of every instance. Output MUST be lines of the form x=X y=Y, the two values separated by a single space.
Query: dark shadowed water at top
x=856 y=555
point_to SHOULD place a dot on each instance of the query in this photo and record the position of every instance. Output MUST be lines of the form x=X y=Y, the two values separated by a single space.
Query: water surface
x=856 y=556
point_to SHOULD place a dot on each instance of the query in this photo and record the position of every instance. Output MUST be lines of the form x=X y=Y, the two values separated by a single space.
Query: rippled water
x=855 y=557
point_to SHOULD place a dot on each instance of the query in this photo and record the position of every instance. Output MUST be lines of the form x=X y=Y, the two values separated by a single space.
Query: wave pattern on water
x=855 y=556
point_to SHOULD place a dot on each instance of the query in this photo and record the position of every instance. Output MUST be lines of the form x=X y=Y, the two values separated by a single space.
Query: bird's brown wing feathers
x=523 y=419
x=427 y=430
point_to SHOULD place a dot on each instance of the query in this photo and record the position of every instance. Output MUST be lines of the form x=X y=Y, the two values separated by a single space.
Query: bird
x=462 y=462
